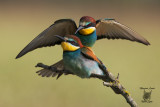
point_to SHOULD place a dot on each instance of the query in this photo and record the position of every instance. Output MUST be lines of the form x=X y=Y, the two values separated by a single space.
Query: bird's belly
x=82 y=67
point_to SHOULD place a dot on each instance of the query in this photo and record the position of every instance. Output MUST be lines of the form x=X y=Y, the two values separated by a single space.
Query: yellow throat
x=68 y=47
x=87 y=31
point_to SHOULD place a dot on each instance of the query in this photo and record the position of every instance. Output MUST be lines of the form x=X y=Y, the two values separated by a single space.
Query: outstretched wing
x=60 y=27
x=110 y=29
x=55 y=69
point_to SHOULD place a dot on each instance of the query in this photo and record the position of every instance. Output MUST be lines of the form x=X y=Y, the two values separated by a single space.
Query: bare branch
x=110 y=81
x=119 y=89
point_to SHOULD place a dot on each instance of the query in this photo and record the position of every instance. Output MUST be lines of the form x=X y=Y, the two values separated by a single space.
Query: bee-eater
x=81 y=61
x=78 y=57
x=75 y=61
x=89 y=31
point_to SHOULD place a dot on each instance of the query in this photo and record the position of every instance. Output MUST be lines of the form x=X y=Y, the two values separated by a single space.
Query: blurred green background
x=138 y=65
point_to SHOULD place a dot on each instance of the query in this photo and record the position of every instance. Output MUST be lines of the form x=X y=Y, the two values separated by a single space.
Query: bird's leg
x=102 y=77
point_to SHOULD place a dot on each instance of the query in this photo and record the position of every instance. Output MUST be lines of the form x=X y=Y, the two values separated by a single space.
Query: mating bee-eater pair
x=78 y=57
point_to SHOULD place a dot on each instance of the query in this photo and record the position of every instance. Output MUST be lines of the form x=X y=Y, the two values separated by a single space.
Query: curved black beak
x=79 y=28
x=60 y=37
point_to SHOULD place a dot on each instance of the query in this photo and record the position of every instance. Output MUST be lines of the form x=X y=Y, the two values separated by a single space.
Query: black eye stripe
x=73 y=43
x=91 y=24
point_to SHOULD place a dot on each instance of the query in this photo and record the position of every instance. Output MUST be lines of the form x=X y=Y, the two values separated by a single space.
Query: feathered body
x=87 y=40
x=75 y=62
x=87 y=35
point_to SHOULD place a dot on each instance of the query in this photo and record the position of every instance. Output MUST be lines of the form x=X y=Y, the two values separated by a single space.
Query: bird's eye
x=73 y=43
x=90 y=24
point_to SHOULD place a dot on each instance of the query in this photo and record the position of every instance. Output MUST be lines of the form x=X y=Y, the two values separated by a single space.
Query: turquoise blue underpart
x=88 y=40
x=79 y=65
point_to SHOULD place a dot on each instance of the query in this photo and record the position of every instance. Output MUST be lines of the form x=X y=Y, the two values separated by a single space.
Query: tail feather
x=55 y=70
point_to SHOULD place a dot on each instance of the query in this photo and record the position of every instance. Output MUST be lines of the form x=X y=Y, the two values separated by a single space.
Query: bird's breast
x=88 y=40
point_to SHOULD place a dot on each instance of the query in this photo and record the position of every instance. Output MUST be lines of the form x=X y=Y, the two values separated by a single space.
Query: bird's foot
x=114 y=83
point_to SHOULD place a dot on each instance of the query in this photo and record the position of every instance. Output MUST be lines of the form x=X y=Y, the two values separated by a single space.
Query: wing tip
x=19 y=55
x=23 y=52
x=146 y=43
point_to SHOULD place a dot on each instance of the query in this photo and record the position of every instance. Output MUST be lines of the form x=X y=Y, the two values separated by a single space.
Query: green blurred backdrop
x=138 y=65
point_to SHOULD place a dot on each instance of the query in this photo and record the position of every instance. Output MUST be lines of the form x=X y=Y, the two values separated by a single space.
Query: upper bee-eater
x=89 y=31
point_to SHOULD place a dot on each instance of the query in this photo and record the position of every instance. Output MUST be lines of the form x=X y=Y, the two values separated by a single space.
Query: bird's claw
x=117 y=77
x=114 y=83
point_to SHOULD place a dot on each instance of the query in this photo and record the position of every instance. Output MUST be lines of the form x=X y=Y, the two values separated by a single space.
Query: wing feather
x=60 y=27
x=58 y=70
x=88 y=53
x=110 y=29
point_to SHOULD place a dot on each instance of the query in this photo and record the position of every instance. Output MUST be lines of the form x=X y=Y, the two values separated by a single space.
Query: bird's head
x=70 y=42
x=87 y=25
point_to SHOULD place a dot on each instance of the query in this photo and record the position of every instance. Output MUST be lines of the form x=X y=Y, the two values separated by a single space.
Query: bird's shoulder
x=88 y=53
